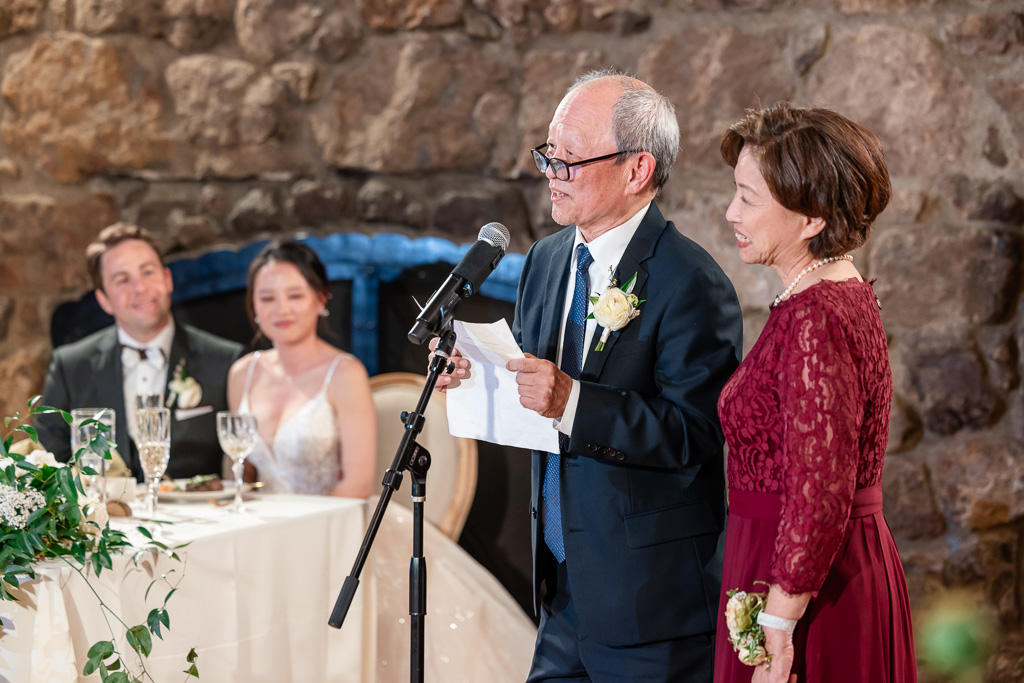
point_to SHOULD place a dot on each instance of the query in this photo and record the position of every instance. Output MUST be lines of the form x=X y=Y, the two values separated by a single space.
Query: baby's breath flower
x=16 y=506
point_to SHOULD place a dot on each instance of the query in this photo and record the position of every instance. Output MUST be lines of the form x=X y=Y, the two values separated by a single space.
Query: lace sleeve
x=820 y=400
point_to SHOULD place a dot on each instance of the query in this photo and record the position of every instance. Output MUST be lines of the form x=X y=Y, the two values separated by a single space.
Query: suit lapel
x=558 y=277
x=106 y=367
x=179 y=351
x=638 y=251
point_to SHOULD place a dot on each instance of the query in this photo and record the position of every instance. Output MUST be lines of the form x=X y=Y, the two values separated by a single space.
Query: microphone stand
x=414 y=458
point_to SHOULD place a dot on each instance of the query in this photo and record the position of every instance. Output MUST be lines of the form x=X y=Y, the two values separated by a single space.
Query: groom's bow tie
x=133 y=355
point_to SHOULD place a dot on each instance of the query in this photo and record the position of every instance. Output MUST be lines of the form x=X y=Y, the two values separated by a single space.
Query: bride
x=317 y=425
x=317 y=428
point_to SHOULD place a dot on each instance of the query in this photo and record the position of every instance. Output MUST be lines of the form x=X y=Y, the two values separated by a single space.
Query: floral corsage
x=614 y=308
x=745 y=634
x=185 y=391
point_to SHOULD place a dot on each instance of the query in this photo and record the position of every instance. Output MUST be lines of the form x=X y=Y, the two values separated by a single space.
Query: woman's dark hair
x=300 y=256
x=819 y=164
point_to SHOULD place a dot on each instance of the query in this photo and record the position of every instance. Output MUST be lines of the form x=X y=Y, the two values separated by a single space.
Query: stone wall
x=217 y=122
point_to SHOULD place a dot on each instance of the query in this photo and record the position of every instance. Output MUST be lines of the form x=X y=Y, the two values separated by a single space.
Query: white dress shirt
x=144 y=376
x=607 y=250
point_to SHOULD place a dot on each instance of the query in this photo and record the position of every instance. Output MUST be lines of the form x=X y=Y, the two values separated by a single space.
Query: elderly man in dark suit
x=628 y=516
x=144 y=352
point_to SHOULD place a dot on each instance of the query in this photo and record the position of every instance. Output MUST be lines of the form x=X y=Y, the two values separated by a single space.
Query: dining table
x=254 y=590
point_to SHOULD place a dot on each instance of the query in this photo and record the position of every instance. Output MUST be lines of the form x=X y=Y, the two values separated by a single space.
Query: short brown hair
x=819 y=164
x=110 y=237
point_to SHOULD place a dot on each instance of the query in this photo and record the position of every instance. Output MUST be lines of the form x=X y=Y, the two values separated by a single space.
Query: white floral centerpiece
x=44 y=514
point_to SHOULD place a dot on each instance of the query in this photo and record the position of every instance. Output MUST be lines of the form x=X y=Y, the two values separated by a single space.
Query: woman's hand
x=779 y=646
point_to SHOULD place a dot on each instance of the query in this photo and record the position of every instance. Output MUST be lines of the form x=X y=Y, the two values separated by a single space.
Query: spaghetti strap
x=330 y=373
x=248 y=376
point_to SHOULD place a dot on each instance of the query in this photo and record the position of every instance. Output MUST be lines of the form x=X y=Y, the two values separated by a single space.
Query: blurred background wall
x=216 y=123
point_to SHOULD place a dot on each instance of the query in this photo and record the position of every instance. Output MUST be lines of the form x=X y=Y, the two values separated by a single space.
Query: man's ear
x=104 y=302
x=641 y=171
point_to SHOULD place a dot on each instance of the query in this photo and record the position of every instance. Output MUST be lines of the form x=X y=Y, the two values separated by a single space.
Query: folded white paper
x=485 y=404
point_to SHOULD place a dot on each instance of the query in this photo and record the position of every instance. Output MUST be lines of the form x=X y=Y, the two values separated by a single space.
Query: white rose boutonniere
x=185 y=391
x=614 y=308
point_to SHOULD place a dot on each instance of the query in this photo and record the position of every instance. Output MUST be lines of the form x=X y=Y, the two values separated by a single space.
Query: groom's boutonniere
x=185 y=391
x=614 y=308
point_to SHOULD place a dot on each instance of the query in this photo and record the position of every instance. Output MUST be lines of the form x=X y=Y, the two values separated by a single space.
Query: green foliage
x=45 y=514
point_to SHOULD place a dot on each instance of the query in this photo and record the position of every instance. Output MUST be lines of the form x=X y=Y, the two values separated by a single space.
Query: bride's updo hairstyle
x=300 y=256
x=819 y=164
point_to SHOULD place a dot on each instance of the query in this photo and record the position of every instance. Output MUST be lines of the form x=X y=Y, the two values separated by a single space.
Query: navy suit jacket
x=87 y=374
x=643 y=486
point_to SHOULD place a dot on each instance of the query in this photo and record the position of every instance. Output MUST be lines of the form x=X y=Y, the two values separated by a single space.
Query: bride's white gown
x=475 y=631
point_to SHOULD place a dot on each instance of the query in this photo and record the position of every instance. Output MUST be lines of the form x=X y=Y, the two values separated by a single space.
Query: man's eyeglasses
x=561 y=168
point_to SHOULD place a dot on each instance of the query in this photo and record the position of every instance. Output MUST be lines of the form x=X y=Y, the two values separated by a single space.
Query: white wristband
x=772 y=621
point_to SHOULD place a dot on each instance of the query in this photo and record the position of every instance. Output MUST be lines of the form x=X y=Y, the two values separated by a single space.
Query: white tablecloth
x=257 y=591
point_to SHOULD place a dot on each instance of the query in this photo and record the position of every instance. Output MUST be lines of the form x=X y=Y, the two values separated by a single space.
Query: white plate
x=200 y=496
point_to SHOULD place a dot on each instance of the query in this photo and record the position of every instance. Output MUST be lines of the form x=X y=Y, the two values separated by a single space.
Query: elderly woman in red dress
x=806 y=415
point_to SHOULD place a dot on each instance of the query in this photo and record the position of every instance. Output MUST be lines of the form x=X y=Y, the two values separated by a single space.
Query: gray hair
x=642 y=120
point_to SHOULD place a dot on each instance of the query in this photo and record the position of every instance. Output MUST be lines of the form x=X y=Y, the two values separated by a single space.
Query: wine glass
x=237 y=435
x=153 y=438
x=85 y=432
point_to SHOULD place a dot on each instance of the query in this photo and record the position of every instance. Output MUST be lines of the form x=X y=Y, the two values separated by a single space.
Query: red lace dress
x=806 y=417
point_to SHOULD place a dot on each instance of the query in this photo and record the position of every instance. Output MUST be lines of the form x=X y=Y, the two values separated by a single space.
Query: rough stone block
x=984 y=200
x=224 y=102
x=79 y=107
x=381 y=114
x=712 y=75
x=909 y=503
x=381 y=201
x=933 y=273
x=946 y=381
x=43 y=240
x=390 y=15
x=270 y=29
x=195 y=25
x=980 y=484
x=20 y=16
x=257 y=213
x=864 y=75
x=315 y=203
x=985 y=34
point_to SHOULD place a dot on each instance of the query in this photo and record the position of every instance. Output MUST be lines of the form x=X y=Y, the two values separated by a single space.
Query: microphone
x=481 y=259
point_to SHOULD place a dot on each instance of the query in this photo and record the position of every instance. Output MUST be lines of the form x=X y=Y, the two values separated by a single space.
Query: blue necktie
x=572 y=365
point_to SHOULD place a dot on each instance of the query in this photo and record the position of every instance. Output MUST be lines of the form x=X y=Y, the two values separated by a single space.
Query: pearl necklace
x=814 y=266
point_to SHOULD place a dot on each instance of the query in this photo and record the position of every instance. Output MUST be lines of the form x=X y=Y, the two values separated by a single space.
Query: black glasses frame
x=561 y=167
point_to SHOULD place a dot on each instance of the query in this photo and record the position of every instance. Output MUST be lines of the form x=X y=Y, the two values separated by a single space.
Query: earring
x=256 y=319
x=324 y=312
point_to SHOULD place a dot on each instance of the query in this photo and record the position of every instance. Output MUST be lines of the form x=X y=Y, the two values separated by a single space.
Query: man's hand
x=542 y=386
x=447 y=381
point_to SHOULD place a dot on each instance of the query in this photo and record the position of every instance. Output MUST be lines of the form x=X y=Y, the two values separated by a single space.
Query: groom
x=144 y=352
x=628 y=516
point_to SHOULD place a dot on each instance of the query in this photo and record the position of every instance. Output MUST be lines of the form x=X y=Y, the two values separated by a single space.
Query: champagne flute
x=237 y=435
x=153 y=438
x=85 y=431
x=142 y=402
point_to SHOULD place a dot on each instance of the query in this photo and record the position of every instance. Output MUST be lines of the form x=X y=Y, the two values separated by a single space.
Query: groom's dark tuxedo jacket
x=87 y=374
x=643 y=482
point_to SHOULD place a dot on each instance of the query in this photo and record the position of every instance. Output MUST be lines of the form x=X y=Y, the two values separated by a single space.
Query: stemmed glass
x=237 y=435
x=84 y=432
x=153 y=438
